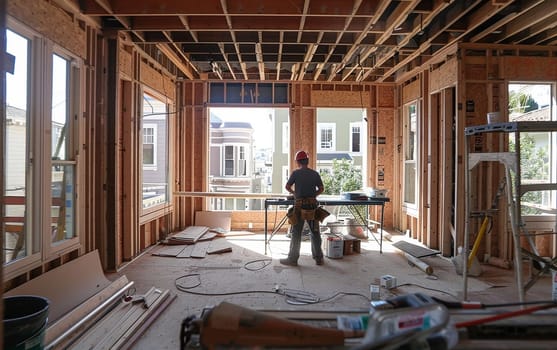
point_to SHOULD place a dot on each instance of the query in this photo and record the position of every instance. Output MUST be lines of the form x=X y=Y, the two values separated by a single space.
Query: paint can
x=375 y=292
x=333 y=247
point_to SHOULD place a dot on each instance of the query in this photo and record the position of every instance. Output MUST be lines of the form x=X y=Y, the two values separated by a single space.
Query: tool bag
x=321 y=214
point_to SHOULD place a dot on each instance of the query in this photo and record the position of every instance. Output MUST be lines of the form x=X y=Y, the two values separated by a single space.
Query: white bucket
x=333 y=247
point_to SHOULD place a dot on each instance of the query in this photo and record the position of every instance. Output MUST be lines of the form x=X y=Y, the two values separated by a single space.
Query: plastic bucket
x=25 y=318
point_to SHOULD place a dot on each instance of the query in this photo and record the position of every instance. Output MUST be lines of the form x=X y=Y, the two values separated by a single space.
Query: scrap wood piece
x=207 y=236
x=200 y=249
x=115 y=329
x=415 y=250
x=219 y=231
x=189 y=235
x=219 y=246
x=186 y=252
x=85 y=314
x=169 y=251
x=127 y=341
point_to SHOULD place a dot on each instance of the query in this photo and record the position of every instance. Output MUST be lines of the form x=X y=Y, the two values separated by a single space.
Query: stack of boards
x=194 y=242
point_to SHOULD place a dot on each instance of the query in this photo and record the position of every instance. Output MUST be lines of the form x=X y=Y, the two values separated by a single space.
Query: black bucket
x=25 y=318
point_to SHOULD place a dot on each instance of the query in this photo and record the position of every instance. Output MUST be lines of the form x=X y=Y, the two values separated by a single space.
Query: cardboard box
x=348 y=247
x=357 y=246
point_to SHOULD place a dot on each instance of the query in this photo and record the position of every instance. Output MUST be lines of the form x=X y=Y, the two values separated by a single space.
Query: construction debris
x=190 y=235
x=198 y=250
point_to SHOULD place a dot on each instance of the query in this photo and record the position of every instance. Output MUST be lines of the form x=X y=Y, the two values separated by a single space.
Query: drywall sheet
x=214 y=219
x=67 y=286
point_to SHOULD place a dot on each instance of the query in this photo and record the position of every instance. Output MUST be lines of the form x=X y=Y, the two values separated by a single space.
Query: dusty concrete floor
x=247 y=277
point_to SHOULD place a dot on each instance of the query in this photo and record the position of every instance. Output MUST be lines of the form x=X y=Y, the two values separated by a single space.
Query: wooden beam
x=178 y=62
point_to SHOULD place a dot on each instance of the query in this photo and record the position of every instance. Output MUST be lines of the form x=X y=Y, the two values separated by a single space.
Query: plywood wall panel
x=444 y=76
x=156 y=80
x=529 y=68
x=344 y=99
x=385 y=96
x=51 y=22
x=125 y=62
x=412 y=91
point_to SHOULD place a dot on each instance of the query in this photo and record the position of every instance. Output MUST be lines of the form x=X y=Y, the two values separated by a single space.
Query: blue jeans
x=296 y=239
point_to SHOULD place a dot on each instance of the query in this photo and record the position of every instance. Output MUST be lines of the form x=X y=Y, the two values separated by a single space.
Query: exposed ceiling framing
x=318 y=40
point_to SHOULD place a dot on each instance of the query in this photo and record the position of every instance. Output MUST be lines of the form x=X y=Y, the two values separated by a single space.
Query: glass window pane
x=60 y=112
x=410 y=156
x=155 y=152
x=62 y=176
x=16 y=157
x=63 y=203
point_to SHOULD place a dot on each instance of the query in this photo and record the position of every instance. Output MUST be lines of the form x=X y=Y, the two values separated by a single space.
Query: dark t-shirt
x=306 y=181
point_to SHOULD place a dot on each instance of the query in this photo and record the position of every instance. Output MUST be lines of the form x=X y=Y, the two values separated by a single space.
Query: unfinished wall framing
x=193 y=128
x=463 y=83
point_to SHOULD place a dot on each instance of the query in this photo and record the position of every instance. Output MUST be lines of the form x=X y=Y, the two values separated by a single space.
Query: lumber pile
x=190 y=235
x=123 y=325
x=193 y=242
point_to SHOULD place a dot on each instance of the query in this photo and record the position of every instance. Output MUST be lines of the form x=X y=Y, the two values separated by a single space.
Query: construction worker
x=305 y=184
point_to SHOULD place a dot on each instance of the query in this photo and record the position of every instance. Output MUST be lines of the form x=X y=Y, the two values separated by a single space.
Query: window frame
x=411 y=145
x=351 y=137
x=151 y=166
x=39 y=163
x=326 y=127
x=146 y=213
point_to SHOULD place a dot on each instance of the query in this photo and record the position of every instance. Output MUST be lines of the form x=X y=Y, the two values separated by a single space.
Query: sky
x=259 y=118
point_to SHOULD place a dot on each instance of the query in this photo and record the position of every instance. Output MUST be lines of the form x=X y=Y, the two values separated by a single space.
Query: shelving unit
x=515 y=191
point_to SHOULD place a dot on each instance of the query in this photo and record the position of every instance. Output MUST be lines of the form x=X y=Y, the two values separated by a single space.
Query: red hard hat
x=301 y=155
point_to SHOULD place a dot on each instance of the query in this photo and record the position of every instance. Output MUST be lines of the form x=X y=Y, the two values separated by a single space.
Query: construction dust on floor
x=247 y=277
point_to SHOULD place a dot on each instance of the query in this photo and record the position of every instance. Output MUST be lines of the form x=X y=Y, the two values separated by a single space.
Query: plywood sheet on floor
x=248 y=268
x=68 y=285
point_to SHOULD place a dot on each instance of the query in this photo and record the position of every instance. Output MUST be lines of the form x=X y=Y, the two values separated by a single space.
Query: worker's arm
x=320 y=190
x=289 y=188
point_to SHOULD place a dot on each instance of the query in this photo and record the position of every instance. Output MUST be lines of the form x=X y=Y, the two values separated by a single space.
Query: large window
x=155 y=151
x=41 y=170
x=410 y=155
x=63 y=149
x=531 y=102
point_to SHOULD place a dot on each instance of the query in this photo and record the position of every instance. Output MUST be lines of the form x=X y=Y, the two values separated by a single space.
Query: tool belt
x=306 y=207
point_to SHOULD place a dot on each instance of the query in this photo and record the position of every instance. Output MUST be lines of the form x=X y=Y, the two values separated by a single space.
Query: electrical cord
x=265 y=263
x=293 y=296
x=426 y=288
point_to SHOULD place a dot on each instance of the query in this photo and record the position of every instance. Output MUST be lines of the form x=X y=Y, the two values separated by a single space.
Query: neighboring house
x=16 y=129
x=232 y=165
x=337 y=138
x=155 y=172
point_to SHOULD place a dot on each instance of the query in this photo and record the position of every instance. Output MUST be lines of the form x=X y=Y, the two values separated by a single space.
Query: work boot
x=319 y=261
x=288 y=262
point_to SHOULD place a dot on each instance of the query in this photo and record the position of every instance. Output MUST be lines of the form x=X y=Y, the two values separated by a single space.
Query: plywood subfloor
x=252 y=276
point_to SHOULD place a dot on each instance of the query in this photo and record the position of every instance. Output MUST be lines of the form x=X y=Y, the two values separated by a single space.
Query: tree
x=520 y=102
x=534 y=166
x=342 y=178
